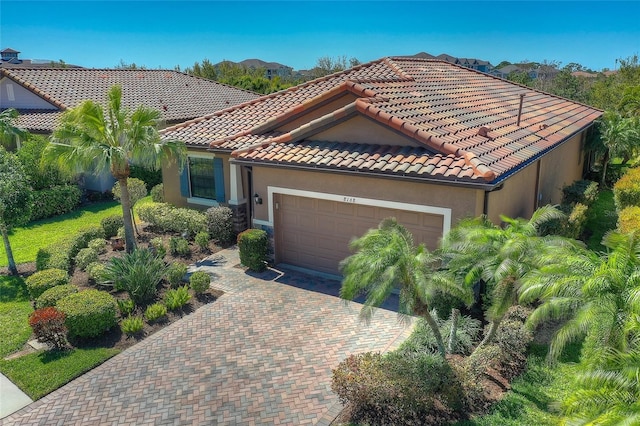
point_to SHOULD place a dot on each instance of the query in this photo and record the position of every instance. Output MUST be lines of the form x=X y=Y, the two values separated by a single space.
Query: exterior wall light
x=257 y=199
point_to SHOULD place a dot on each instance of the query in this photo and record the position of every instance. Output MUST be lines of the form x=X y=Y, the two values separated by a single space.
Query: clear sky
x=295 y=33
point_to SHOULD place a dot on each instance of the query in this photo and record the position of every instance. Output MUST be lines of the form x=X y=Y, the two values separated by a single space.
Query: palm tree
x=9 y=132
x=620 y=137
x=386 y=258
x=479 y=251
x=91 y=137
x=598 y=295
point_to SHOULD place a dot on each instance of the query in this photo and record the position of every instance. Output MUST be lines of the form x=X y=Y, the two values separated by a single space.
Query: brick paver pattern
x=261 y=354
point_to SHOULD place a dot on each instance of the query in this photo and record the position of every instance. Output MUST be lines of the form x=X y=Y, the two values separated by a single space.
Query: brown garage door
x=315 y=234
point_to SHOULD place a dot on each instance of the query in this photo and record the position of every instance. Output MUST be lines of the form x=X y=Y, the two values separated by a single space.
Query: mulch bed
x=115 y=338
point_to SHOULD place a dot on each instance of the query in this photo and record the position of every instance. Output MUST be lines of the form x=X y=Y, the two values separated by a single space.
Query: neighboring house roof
x=8 y=50
x=176 y=95
x=508 y=69
x=462 y=123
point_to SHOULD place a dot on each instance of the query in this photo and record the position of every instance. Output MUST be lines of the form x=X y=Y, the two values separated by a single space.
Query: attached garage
x=313 y=230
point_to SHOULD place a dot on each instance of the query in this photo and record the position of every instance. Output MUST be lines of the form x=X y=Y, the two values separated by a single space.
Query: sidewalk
x=11 y=397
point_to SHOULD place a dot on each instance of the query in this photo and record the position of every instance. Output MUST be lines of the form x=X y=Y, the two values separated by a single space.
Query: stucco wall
x=320 y=111
x=22 y=98
x=463 y=202
x=559 y=168
x=360 y=129
x=516 y=198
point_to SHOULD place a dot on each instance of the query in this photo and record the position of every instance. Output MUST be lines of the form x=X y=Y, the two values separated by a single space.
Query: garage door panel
x=315 y=234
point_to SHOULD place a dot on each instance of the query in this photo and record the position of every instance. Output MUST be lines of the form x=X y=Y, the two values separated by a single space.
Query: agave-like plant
x=138 y=273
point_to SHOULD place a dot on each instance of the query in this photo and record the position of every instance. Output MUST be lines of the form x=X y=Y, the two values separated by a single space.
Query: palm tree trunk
x=455 y=316
x=436 y=332
x=13 y=269
x=125 y=200
x=493 y=328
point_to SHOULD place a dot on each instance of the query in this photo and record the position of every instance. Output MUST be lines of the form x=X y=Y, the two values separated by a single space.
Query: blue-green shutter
x=184 y=181
x=218 y=173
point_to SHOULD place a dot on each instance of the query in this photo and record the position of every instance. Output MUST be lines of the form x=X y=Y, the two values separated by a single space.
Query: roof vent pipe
x=520 y=109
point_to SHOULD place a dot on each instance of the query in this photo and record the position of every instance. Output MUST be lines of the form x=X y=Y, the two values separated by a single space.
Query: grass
x=533 y=395
x=15 y=308
x=601 y=218
x=40 y=373
x=26 y=240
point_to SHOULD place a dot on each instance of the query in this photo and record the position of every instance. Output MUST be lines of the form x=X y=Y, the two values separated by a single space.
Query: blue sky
x=296 y=33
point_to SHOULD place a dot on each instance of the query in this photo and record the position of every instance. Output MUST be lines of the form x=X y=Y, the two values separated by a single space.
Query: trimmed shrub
x=202 y=240
x=179 y=246
x=254 y=246
x=55 y=201
x=48 y=324
x=629 y=219
x=157 y=193
x=199 y=282
x=172 y=219
x=55 y=256
x=626 y=191
x=99 y=245
x=220 y=224
x=84 y=257
x=155 y=312
x=132 y=325
x=580 y=192
x=176 y=298
x=111 y=224
x=51 y=296
x=397 y=388
x=175 y=273
x=125 y=306
x=138 y=273
x=137 y=190
x=82 y=238
x=571 y=226
x=89 y=313
x=96 y=271
x=157 y=244
x=42 y=281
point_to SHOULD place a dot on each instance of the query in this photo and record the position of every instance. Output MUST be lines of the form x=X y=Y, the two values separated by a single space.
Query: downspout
x=485 y=207
x=537 y=195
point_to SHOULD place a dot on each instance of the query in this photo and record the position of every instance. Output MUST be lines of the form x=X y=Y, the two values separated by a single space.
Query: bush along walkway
x=263 y=353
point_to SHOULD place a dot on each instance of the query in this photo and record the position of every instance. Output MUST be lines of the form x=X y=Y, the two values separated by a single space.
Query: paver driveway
x=261 y=354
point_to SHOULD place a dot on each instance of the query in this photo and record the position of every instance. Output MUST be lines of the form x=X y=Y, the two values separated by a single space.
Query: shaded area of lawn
x=534 y=394
x=26 y=240
x=601 y=218
x=15 y=308
x=40 y=373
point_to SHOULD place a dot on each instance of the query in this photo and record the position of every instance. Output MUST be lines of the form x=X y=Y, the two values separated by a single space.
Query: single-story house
x=423 y=140
x=41 y=95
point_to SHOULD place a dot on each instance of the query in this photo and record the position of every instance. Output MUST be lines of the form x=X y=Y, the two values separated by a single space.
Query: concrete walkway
x=261 y=354
x=11 y=397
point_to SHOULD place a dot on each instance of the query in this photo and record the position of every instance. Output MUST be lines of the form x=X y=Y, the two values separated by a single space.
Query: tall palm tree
x=478 y=250
x=93 y=138
x=9 y=132
x=386 y=258
x=598 y=295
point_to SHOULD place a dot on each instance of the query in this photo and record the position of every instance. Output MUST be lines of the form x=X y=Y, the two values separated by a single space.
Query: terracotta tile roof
x=450 y=112
x=176 y=95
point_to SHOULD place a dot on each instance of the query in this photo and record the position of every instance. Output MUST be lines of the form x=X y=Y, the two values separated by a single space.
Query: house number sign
x=349 y=199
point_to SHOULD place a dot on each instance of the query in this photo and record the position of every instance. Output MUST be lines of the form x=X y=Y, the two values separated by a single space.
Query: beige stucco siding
x=559 y=168
x=359 y=129
x=516 y=198
x=320 y=111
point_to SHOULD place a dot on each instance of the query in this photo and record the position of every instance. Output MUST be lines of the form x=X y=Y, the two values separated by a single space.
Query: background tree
x=620 y=137
x=386 y=258
x=500 y=257
x=93 y=138
x=10 y=134
x=15 y=200
x=326 y=65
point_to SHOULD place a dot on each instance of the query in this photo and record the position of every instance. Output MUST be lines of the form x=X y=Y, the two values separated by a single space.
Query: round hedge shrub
x=629 y=219
x=95 y=271
x=111 y=224
x=42 y=281
x=253 y=245
x=85 y=257
x=89 y=313
x=626 y=191
x=220 y=224
x=175 y=273
x=51 y=296
x=199 y=281
x=157 y=193
x=98 y=244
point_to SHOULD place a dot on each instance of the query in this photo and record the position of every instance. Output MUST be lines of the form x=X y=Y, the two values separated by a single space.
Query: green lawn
x=15 y=308
x=25 y=241
x=40 y=373
x=601 y=218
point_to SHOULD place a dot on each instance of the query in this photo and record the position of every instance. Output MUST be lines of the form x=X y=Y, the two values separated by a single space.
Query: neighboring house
x=472 y=63
x=41 y=95
x=423 y=140
x=9 y=59
x=271 y=69
x=506 y=70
